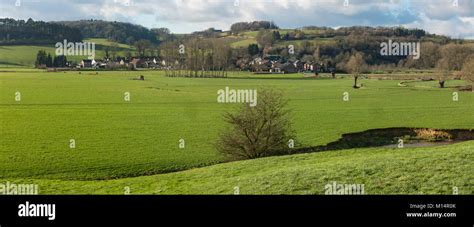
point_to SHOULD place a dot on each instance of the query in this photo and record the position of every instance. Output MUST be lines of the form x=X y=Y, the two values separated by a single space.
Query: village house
x=276 y=67
x=299 y=65
x=86 y=63
x=288 y=68
x=275 y=64
x=264 y=66
x=122 y=61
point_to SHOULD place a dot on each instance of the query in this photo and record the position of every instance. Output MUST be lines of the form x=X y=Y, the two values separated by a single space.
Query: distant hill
x=116 y=31
x=25 y=55
x=17 y=32
x=252 y=26
x=325 y=44
x=310 y=44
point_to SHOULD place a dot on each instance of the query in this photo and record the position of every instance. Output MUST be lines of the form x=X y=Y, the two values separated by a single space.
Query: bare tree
x=452 y=58
x=141 y=46
x=259 y=131
x=443 y=67
x=114 y=47
x=170 y=54
x=430 y=55
x=205 y=58
x=221 y=59
x=265 y=38
x=356 y=66
x=107 y=50
x=468 y=71
x=455 y=55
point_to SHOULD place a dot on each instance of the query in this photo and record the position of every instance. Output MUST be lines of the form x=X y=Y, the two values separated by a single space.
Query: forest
x=21 y=32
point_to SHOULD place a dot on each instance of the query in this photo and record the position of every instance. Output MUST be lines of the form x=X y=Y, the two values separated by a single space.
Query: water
x=423 y=144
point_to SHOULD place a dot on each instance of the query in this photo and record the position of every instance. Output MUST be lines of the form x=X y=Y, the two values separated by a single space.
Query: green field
x=245 y=42
x=137 y=141
x=382 y=171
x=25 y=56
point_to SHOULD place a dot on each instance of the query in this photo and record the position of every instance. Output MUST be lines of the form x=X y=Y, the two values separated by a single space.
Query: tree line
x=451 y=61
x=252 y=26
x=344 y=42
x=18 y=32
x=115 y=31
x=196 y=58
x=44 y=59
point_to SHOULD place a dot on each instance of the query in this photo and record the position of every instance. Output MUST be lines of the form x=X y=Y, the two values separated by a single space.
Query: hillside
x=140 y=138
x=382 y=171
x=25 y=55
x=30 y=32
x=117 y=31
x=325 y=46
x=328 y=45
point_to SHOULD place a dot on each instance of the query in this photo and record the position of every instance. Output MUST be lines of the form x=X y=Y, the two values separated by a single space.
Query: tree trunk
x=355 y=81
x=441 y=83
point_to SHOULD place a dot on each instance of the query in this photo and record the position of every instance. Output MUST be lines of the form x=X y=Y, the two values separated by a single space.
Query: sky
x=453 y=18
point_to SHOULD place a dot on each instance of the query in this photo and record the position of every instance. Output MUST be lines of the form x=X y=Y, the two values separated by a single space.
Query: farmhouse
x=276 y=67
x=86 y=63
x=288 y=68
x=144 y=63
x=298 y=65
x=263 y=67
x=308 y=67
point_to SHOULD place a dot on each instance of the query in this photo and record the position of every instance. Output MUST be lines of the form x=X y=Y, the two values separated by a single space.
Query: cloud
x=448 y=17
x=455 y=27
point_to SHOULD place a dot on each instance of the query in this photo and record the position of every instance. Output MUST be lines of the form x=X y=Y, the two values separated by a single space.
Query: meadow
x=121 y=143
x=436 y=170
x=24 y=56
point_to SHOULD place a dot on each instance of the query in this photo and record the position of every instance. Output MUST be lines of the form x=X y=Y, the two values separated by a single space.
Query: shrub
x=432 y=135
x=262 y=130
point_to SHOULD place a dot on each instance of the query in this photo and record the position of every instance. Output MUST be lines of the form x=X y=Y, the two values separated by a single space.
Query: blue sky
x=454 y=18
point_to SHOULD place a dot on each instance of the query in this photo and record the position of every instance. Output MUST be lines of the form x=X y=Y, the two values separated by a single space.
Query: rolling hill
x=25 y=55
x=435 y=170
x=136 y=140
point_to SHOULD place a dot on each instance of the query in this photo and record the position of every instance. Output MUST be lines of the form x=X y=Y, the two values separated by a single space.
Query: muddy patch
x=164 y=89
x=391 y=137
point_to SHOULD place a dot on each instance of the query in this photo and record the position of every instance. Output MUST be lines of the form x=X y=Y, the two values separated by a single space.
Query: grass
x=15 y=56
x=243 y=43
x=106 y=42
x=118 y=139
x=25 y=55
x=314 y=42
x=381 y=171
x=250 y=38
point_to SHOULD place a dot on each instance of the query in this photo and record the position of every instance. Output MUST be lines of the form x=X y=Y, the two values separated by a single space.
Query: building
x=288 y=68
x=86 y=63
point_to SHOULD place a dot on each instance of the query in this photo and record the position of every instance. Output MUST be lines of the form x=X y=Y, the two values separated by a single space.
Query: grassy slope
x=245 y=42
x=106 y=42
x=118 y=139
x=249 y=37
x=382 y=171
x=25 y=55
x=313 y=36
x=15 y=56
